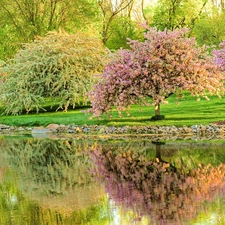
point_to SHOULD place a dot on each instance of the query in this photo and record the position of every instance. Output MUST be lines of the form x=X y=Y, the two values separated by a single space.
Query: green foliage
x=58 y=66
x=22 y=20
x=8 y=41
x=174 y=14
x=205 y=21
x=122 y=28
x=210 y=29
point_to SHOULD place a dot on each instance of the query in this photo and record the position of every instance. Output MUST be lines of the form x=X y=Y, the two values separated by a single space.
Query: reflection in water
x=17 y=209
x=49 y=182
x=51 y=166
x=154 y=188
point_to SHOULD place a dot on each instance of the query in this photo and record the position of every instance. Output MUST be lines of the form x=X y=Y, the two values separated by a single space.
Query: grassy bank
x=187 y=112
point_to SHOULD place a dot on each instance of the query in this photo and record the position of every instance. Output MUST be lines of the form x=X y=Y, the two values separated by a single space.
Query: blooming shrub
x=59 y=66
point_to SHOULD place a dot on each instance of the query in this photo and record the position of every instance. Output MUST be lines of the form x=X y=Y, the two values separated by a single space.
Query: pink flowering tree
x=220 y=56
x=166 y=63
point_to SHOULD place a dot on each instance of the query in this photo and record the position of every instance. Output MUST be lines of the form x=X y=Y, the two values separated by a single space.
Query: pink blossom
x=166 y=63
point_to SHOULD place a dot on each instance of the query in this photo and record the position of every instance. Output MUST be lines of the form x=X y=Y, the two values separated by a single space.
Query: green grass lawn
x=187 y=112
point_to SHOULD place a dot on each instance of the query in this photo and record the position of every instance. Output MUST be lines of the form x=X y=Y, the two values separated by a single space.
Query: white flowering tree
x=59 y=66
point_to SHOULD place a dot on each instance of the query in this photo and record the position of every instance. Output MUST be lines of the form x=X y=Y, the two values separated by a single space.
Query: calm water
x=114 y=182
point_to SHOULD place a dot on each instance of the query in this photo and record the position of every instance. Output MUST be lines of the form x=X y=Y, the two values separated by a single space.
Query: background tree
x=174 y=14
x=219 y=3
x=22 y=20
x=123 y=27
x=210 y=28
x=204 y=18
x=166 y=63
x=147 y=11
x=58 y=66
x=8 y=42
x=30 y=18
x=110 y=10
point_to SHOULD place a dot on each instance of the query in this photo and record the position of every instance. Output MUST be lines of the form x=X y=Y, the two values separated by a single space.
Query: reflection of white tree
x=58 y=169
x=52 y=167
x=155 y=189
x=16 y=208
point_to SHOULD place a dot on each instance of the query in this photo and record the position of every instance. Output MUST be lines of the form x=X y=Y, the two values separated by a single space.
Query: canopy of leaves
x=123 y=28
x=167 y=62
x=172 y=14
x=59 y=66
x=210 y=28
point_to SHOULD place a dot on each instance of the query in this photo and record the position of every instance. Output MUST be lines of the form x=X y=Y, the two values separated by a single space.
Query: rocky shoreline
x=212 y=131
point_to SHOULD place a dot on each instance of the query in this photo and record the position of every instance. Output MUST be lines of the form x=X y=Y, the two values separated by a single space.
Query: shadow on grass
x=47 y=110
x=49 y=107
x=191 y=118
x=177 y=121
x=53 y=109
x=134 y=119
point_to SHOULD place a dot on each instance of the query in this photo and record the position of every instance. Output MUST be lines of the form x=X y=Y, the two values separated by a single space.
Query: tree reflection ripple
x=155 y=188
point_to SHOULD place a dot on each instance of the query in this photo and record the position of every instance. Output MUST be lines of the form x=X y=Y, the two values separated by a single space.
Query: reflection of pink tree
x=154 y=188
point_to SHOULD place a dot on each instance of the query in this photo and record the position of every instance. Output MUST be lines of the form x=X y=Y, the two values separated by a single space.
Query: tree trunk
x=157 y=109
x=158 y=152
x=159 y=155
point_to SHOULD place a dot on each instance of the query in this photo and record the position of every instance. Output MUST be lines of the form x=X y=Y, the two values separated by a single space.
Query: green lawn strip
x=187 y=112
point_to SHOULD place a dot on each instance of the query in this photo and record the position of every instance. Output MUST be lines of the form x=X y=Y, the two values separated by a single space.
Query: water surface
x=110 y=182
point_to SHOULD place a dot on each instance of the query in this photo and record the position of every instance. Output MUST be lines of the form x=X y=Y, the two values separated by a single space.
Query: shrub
x=59 y=66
